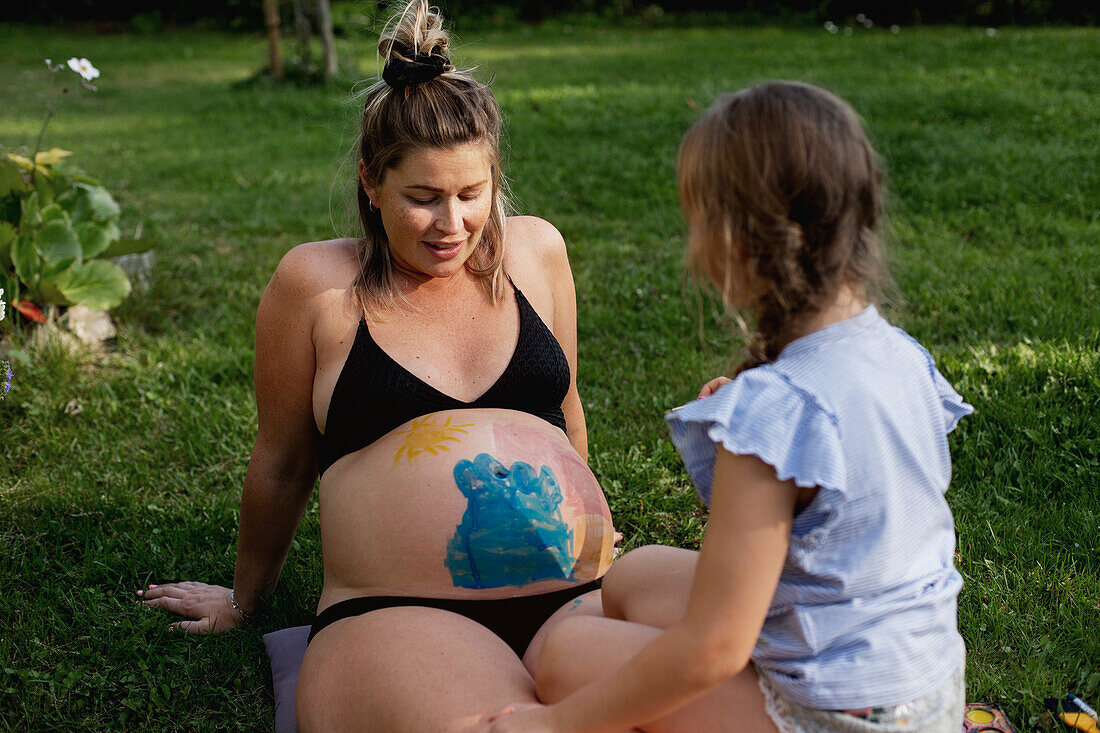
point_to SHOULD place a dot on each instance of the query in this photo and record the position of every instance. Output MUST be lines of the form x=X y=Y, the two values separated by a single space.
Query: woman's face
x=434 y=206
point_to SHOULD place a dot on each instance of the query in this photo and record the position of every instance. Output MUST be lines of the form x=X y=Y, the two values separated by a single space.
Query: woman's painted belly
x=463 y=504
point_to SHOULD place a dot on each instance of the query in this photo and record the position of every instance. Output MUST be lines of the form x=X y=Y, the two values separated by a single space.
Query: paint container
x=986 y=717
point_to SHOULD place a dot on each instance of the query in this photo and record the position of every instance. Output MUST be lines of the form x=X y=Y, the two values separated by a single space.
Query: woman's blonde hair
x=443 y=112
x=784 y=196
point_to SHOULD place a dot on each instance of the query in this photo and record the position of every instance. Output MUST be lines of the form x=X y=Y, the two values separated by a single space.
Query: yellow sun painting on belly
x=428 y=435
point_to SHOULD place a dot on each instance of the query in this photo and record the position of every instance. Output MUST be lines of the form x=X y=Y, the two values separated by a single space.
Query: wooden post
x=305 y=33
x=328 y=42
x=271 y=22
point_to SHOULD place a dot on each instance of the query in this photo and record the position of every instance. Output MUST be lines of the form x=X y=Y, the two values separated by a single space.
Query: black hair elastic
x=400 y=72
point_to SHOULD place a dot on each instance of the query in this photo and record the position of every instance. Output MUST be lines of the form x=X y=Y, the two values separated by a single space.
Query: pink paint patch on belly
x=583 y=504
x=581 y=492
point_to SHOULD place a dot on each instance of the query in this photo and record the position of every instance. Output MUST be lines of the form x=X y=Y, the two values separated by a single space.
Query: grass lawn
x=122 y=469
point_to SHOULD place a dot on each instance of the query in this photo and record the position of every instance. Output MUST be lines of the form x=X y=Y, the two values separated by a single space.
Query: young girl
x=823 y=598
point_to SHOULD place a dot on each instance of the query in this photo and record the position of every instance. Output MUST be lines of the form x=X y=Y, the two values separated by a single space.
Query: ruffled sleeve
x=762 y=414
x=954 y=407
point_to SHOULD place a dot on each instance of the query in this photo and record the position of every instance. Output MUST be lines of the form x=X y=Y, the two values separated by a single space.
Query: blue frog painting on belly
x=512 y=532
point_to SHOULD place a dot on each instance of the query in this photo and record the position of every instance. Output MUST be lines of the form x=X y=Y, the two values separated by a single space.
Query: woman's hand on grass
x=206 y=607
x=712 y=386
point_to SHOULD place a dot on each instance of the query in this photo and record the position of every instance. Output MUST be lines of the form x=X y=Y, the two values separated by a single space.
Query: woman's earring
x=371 y=205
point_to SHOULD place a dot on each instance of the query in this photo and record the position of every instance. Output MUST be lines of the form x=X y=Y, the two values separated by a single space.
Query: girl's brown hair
x=449 y=110
x=783 y=195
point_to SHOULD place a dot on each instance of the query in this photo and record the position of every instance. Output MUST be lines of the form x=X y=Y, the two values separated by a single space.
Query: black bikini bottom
x=515 y=620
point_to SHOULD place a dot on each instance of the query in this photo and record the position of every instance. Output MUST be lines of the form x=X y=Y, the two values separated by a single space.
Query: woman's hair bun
x=414 y=46
x=416 y=29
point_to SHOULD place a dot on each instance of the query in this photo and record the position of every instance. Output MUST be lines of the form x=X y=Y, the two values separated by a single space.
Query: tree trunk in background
x=271 y=22
x=304 y=31
x=328 y=43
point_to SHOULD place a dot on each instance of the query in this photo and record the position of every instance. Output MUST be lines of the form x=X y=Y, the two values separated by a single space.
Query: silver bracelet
x=248 y=617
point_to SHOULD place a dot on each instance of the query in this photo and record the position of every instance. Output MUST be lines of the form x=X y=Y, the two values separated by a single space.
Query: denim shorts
x=940 y=711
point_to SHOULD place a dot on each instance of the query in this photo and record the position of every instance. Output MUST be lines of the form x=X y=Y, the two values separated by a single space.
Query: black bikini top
x=374 y=394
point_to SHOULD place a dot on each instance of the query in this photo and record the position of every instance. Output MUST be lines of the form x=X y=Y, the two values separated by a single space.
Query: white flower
x=830 y=26
x=861 y=18
x=49 y=63
x=848 y=31
x=2 y=306
x=895 y=29
x=991 y=32
x=84 y=68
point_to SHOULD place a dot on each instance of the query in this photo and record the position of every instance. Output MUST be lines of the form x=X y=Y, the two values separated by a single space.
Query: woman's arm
x=283 y=465
x=282 y=468
x=545 y=259
x=565 y=331
x=738 y=569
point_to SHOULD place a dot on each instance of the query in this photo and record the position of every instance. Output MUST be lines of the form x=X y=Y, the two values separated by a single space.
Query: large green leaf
x=51 y=271
x=26 y=260
x=43 y=185
x=48 y=293
x=49 y=184
x=31 y=216
x=10 y=178
x=7 y=236
x=57 y=241
x=53 y=211
x=95 y=237
x=67 y=167
x=128 y=247
x=97 y=284
x=94 y=202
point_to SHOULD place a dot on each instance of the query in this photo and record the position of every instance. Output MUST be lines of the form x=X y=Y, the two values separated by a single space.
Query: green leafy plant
x=59 y=227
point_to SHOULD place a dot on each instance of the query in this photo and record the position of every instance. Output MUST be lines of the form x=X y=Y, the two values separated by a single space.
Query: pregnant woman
x=428 y=371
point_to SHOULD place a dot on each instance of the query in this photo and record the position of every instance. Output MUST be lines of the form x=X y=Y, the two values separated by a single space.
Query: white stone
x=91 y=327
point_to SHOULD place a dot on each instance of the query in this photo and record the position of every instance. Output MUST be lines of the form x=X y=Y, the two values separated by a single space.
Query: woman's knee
x=623 y=579
x=556 y=672
x=649 y=575
x=582 y=649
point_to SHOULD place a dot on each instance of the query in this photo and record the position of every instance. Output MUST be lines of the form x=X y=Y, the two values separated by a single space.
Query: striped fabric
x=864 y=614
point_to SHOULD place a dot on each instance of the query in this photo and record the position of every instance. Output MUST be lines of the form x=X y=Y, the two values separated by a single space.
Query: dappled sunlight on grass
x=1026 y=503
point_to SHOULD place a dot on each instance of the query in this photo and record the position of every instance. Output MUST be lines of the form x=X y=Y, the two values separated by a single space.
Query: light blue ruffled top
x=864 y=614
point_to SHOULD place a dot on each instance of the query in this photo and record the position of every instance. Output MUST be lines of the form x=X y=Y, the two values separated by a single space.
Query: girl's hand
x=524 y=718
x=712 y=386
x=207 y=606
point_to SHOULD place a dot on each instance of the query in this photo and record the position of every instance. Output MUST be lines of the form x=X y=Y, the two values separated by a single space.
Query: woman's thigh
x=650 y=585
x=582 y=650
x=589 y=604
x=407 y=669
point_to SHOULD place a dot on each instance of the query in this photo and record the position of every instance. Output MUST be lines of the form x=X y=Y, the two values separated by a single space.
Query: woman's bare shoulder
x=314 y=268
x=319 y=260
x=533 y=232
x=532 y=241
